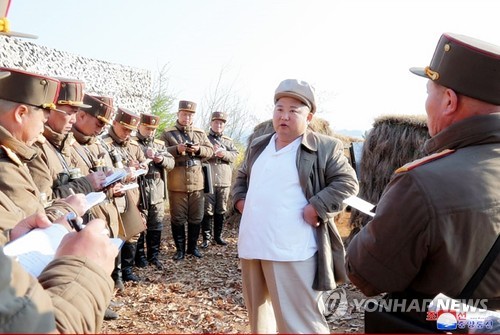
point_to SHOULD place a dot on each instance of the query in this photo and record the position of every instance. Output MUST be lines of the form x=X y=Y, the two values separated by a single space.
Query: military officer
x=188 y=145
x=126 y=152
x=25 y=103
x=54 y=169
x=92 y=156
x=225 y=154
x=153 y=185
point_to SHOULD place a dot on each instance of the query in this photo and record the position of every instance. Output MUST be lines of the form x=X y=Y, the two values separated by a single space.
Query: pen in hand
x=74 y=221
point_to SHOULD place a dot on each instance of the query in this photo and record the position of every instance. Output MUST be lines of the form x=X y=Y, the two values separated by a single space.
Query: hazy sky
x=355 y=52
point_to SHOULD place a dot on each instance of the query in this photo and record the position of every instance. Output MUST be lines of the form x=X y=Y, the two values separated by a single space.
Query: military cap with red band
x=71 y=93
x=219 y=116
x=127 y=118
x=469 y=66
x=187 y=106
x=100 y=107
x=150 y=120
x=29 y=88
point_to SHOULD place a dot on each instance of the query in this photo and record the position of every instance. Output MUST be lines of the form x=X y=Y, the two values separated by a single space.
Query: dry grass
x=199 y=295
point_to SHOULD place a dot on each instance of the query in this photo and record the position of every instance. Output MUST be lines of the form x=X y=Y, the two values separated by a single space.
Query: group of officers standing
x=84 y=143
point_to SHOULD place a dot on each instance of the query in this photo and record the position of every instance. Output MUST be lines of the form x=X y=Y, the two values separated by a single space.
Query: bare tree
x=225 y=98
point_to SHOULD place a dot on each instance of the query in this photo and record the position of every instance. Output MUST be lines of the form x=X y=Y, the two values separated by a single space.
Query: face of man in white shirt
x=290 y=119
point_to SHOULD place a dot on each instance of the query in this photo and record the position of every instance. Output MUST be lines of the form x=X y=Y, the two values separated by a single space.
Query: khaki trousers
x=279 y=297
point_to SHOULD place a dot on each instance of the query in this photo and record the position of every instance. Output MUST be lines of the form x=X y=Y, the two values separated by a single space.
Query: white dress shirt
x=272 y=226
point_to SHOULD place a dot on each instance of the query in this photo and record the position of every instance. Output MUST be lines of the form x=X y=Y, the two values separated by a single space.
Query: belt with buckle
x=220 y=161
x=189 y=163
x=154 y=175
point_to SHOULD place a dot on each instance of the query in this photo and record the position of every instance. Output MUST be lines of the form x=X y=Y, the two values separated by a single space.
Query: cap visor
x=126 y=125
x=16 y=34
x=4 y=74
x=419 y=71
x=294 y=95
x=59 y=110
x=81 y=105
x=103 y=119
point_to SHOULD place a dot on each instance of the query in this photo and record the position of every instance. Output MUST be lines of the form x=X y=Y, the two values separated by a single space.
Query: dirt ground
x=204 y=295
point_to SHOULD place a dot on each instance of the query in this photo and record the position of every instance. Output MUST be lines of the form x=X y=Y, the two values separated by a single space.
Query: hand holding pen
x=77 y=201
x=74 y=221
x=91 y=244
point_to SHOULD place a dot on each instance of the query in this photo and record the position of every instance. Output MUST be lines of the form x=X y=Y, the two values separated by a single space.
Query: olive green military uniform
x=16 y=181
x=93 y=155
x=11 y=214
x=70 y=295
x=88 y=149
x=52 y=168
x=48 y=304
x=130 y=152
x=216 y=203
x=185 y=184
x=154 y=188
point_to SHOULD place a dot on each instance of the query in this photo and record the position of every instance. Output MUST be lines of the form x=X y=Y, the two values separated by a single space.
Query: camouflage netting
x=393 y=141
x=130 y=87
x=317 y=124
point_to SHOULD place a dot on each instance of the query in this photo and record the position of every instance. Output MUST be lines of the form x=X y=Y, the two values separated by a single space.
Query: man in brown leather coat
x=188 y=145
x=288 y=189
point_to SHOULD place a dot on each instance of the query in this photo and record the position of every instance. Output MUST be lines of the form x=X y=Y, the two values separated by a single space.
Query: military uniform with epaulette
x=186 y=182
x=16 y=181
x=221 y=170
x=439 y=216
x=91 y=155
x=126 y=153
x=153 y=185
x=54 y=168
x=45 y=304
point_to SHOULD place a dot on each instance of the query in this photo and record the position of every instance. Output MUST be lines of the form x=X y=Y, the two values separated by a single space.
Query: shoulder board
x=134 y=138
x=424 y=160
x=134 y=141
x=198 y=130
x=170 y=129
x=158 y=141
x=227 y=137
x=12 y=155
